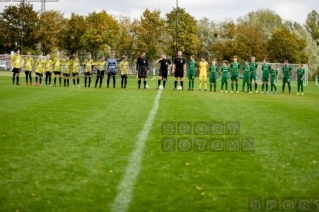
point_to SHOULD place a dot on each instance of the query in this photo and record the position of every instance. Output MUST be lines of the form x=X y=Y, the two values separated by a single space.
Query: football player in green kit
x=253 y=76
x=273 y=78
x=234 y=74
x=246 y=77
x=265 y=68
x=191 y=73
x=300 y=78
x=286 y=69
x=213 y=70
x=224 y=69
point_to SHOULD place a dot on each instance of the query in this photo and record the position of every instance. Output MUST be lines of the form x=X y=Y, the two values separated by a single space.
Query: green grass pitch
x=66 y=149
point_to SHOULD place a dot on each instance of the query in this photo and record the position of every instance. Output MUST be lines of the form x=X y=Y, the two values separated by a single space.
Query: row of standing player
x=249 y=74
x=69 y=67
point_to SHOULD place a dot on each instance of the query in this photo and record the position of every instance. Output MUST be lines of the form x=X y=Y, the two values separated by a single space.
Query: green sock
x=267 y=87
x=214 y=86
x=232 y=87
x=211 y=86
x=193 y=84
x=262 y=87
x=189 y=84
x=236 y=86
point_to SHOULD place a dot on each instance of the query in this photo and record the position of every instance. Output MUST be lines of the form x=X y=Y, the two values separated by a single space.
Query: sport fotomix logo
x=204 y=136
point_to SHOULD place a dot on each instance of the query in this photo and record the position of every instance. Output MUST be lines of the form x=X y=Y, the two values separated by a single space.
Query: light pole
x=176 y=38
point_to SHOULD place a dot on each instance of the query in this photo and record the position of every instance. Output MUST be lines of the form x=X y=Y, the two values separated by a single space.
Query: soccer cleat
x=242 y=92
x=226 y=91
x=266 y=92
x=270 y=92
x=256 y=91
x=221 y=91
x=78 y=86
x=40 y=84
x=237 y=91
x=302 y=94
x=250 y=92
x=73 y=86
x=199 y=89
x=283 y=93
x=297 y=93
x=26 y=84
x=174 y=89
x=262 y=92
x=205 y=89
x=276 y=92
x=230 y=92
x=54 y=85
x=50 y=85
x=289 y=93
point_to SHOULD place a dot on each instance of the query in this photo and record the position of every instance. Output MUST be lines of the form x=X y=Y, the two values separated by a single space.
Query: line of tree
x=261 y=33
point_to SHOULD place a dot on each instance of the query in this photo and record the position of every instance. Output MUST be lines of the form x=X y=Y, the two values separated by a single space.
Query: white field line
x=126 y=186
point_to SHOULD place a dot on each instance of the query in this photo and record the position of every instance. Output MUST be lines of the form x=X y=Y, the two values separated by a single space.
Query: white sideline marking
x=153 y=78
x=126 y=186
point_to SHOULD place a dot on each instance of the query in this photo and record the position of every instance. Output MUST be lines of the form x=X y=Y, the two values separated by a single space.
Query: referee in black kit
x=179 y=68
x=142 y=69
x=163 y=71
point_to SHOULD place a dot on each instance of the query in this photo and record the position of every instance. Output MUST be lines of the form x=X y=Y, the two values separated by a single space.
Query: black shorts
x=87 y=74
x=111 y=73
x=75 y=74
x=57 y=72
x=39 y=74
x=16 y=70
x=100 y=73
x=27 y=72
x=66 y=74
x=47 y=73
x=124 y=76
x=179 y=73
x=142 y=72
x=163 y=73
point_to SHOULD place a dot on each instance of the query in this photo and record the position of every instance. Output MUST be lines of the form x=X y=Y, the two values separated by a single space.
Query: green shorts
x=299 y=82
x=212 y=80
x=234 y=78
x=253 y=77
x=246 y=79
x=191 y=76
x=286 y=79
x=265 y=79
x=273 y=81
x=224 y=79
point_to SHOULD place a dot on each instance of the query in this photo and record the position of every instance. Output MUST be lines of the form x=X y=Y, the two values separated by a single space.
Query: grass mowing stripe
x=126 y=186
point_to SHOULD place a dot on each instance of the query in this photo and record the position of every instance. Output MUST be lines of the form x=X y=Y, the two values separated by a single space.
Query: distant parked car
x=4 y=65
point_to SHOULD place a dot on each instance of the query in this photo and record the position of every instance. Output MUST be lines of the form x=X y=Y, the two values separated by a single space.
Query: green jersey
x=265 y=68
x=253 y=67
x=286 y=70
x=225 y=70
x=246 y=70
x=28 y=63
x=273 y=74
x=234 y=68
x=213 y=71
x=57 y=64
x=300 y=72
x=88 y=63
x=192 y=67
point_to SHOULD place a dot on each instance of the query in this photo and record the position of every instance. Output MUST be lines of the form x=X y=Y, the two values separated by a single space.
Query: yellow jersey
x=16 y=61
x=67 y=66
x=57 y=64
x=28 y=64
x=75 y=66
x=124 y=67
x=203 y=67
x=39 y=66
x=101 y=65
x=48 y=65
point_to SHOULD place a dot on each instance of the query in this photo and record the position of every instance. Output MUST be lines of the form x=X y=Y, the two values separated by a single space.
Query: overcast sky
x=295 y=10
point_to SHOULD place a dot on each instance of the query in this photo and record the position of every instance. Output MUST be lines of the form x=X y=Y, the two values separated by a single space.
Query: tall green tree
x=72 y=32
x=312 y=25
x=187 y=40
x=101 y=31
x=51 y=24
x=285 y=44
x=150 y=33
x=19 y=25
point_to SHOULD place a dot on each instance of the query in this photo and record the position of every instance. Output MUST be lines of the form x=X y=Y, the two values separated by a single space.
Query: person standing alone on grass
x=88 y=66
x=179 y=68
x=300 y=78
x=224 y=80
x=39 y=69
x=273 y=78
x=142 y=69
x=57 y=64
x=246 y=77
x=213 y=69
x=265 y=68
x=203 y=67
x=48 y=70
x=124 y=67
x=16 y=62
x=191 y=73
x=234 y=74
x=111 y=65
x=286 y=69
x=101 y=65
x=253 y=75
x=163 y=71
x=28 y=66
